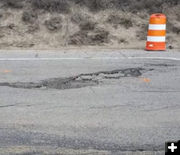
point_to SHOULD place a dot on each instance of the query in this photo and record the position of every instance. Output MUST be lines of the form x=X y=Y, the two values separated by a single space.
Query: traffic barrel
x=156 y=38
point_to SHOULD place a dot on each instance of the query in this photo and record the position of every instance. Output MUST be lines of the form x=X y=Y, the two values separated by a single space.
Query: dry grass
x=61 y=6
x=78 y=18
x=121 y=23
x=29 y=16
x=96 y=37
x=54 y=24
x=13 y=3
x=93 y=5
x=117 y=20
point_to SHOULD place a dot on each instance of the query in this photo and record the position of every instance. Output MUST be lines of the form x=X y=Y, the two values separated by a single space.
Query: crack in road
x=5 y=106
x=14 y=105
x=160 y=65
x=79 y=81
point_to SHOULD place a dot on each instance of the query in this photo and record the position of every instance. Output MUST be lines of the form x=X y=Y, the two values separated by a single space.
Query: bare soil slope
x=50 y=24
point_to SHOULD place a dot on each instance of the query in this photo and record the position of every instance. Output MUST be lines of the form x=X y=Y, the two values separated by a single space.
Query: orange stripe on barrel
x=155 y=45
x=156 y=33
x=157 y=19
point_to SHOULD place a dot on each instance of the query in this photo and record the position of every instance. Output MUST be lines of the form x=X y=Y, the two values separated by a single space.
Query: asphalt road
x=95 y=102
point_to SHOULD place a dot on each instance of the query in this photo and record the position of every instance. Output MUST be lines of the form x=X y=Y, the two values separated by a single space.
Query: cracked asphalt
x=86 y=102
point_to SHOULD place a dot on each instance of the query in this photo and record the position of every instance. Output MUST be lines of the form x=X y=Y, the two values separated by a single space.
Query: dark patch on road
x=29 y=153
x=14 y=137
x=79 y=81
x=5 y=106
x=158 y=91
x=13 y=105
x=160 y=65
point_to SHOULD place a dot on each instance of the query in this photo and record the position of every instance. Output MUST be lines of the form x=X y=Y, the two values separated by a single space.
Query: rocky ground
x=53 y=24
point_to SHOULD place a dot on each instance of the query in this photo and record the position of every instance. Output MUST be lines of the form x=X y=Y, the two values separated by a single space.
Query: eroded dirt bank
x=51 y=24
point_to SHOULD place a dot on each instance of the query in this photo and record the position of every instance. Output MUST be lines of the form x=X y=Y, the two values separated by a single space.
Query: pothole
x=79 y=81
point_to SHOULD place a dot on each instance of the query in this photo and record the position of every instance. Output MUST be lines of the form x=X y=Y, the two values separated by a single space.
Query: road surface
x=95 y=102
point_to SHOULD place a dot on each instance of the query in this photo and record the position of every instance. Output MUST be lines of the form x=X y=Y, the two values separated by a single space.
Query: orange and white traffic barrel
x=156 y=39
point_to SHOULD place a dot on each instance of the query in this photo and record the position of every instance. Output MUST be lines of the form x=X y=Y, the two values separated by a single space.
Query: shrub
x=171 y=27
x=87 y=26
x=54 y=24
x=78 y=18
x=98 y=5
x=97 y=37
x=61 y=6
x=126 y=5
x=13 y=3
x=117 y=20
x=29 y=16
x=122 y=41
x=141 y=34
x=33 y=28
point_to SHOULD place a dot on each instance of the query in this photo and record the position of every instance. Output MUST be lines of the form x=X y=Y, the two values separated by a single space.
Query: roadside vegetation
x=57 y=23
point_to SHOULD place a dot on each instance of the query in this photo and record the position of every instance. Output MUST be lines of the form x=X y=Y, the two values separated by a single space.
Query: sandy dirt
x=26 y=27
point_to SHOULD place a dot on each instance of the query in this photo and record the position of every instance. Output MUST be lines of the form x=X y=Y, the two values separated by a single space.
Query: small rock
x=170 y=47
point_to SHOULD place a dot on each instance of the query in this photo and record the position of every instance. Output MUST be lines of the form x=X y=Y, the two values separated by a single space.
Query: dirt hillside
x=51 y=24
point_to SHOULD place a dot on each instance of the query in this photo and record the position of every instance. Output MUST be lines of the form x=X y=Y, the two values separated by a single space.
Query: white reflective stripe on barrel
x=156 y=39
x=157 y=26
